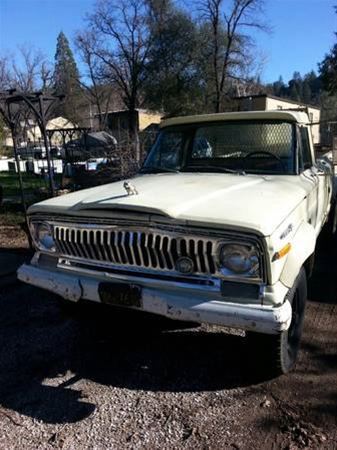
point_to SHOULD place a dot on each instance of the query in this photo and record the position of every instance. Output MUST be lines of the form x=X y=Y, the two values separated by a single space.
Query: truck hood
x=253 y=202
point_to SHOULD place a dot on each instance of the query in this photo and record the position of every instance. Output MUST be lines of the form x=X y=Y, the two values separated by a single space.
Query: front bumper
x=188 y=306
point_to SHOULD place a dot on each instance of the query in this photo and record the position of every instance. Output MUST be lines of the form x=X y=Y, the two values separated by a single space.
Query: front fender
x=302 y=247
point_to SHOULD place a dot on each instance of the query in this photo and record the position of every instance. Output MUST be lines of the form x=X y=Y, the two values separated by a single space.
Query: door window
x=305 y=150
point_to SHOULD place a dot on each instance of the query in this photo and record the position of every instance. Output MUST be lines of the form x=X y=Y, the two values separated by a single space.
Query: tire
x=278 y=353
x=332 y=221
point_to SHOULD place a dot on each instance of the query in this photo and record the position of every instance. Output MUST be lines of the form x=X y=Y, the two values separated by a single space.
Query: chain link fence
x=88 y=159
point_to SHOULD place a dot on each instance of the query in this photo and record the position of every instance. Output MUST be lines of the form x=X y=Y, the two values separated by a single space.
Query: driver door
x=310 y=177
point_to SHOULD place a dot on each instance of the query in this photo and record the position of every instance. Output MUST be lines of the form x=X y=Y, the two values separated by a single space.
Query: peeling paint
x=176 y=305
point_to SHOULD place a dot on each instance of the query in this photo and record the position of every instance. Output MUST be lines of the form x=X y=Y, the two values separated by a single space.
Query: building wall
x=118 y=122
x=252 y=104
x=148 y=118
x=314 y=114
x=34 y=133
x=265 y=103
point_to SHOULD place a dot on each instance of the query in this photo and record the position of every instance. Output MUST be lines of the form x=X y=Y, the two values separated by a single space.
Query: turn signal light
x=284 y=251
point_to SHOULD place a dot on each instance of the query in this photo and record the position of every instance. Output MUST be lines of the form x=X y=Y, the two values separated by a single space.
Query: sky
x=302 y=30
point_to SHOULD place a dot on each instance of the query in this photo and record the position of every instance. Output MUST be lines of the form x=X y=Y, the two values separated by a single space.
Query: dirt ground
x=110 y=379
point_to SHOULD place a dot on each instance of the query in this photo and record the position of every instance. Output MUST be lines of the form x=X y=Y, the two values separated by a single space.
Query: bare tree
x=229 y=43
x=5 y=75
x=28 y=71
x=122 y=43
x=45 y=74
x=95 y=87
x=26 y=74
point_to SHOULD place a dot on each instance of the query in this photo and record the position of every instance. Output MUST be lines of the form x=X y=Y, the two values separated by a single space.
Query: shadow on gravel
x=159 y=355
x=44 y=356
x=12 y=258
x=322 y=286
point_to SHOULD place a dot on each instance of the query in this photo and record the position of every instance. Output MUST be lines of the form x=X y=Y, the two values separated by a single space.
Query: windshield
x=264 y=147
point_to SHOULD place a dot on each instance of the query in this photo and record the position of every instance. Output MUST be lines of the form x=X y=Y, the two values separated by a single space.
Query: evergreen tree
x=298 y=83
x=297 y=77
x=328 y=69
x=293 y=91
x=66 y=78
x=306 y=92
x=315 y=84
x=171 y=83
x=278 y=87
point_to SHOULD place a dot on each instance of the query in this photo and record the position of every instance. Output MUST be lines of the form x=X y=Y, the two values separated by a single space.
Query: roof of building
x=140 y=110
x=290 y=115
x=281 y=99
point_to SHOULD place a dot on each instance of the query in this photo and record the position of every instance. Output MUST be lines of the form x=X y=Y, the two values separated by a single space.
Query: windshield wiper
x=215 y=168
x=156 y=169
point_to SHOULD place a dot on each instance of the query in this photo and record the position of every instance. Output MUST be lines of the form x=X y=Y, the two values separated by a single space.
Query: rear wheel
x=331 y=223
x=278 y=353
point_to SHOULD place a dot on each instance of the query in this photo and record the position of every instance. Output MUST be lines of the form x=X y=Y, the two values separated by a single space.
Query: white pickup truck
x=220 y=226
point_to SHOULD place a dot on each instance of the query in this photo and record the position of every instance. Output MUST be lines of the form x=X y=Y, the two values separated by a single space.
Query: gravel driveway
x=110 y=379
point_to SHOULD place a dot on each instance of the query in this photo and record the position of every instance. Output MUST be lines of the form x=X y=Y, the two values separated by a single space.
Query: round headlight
x=44 y=237
x=240 y=259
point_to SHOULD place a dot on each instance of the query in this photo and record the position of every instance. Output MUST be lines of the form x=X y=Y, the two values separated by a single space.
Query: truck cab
x=219 y=226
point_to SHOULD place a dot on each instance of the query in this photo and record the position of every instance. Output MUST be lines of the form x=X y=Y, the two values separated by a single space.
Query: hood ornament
x=130 y=189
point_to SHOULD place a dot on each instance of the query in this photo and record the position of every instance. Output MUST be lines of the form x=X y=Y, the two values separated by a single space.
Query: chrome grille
x=148 y=248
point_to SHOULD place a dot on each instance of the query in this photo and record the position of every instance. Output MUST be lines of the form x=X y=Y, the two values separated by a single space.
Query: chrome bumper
x=168 y=302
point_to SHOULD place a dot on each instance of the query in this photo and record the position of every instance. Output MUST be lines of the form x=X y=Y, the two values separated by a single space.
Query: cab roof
x=286 y=115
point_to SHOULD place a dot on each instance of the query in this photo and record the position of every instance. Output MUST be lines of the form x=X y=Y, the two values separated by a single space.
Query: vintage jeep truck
x=220 y=226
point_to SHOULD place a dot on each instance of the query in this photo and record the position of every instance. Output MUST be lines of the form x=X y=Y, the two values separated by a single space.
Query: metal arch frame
x=6 y=113
x=70 y=133
x=40 y=113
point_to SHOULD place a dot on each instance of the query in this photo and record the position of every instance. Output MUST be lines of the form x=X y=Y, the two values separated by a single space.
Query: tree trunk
x=134 y=132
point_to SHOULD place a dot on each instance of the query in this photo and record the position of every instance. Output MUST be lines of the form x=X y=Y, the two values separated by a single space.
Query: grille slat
x=198 y=259
x=78 y=244
x=85 y=251
x=208 y=269
x=146 y=249
x=121 y=239
x=101 y=239
x=116 y=247
x=97 y=237
x=111 y=256
x=65 y=240
x=139 y=247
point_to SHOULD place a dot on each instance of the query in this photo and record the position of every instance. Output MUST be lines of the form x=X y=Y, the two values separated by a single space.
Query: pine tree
x=66 y=78
x=328 y=69
x=171 y=82
x=293 y=92
x=278 y=87
x=306 y=92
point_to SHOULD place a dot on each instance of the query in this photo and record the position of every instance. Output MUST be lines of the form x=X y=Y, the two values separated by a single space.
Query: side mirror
x=323 y=166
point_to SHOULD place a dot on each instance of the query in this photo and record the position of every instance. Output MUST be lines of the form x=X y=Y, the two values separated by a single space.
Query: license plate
x=120 y=294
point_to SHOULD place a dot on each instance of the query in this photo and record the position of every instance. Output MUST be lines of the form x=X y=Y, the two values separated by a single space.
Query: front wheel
x=278 y=353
